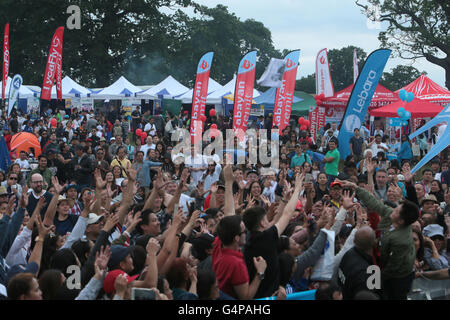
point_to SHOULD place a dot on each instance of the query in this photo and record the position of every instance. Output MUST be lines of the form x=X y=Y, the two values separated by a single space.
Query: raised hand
x=265 y=200
x=101 y=261
x=99 y=182
x=23 y=202
x=347 y=200
x=11 y=205
x=228 y=173
x=42 y=230
x=214 y=187
x=131 y=173
x=112 y=220
x=347 y=184
x=370 y=166
x=153 y=246
x=406 y=172
x=57 y=186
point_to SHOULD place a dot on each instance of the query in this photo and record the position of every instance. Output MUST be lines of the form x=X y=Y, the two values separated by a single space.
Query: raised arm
x=127 y=200
x=289 y=210
x=228 y=209
x=151 y=276
x=51 y=210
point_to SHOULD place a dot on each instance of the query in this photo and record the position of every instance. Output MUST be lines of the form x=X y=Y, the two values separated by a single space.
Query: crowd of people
x=104 y=213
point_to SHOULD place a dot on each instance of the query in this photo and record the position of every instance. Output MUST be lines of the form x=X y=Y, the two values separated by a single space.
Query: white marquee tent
x=169 y=88
x=216 y=96
x=71 y=89
x=120 y=89
x=212 y=87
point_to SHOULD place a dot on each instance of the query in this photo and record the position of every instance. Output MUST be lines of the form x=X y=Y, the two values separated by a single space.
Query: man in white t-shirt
x=150 y=127
x=197 y=165
x=23 y=161
x=377 y=146
x=148 y=146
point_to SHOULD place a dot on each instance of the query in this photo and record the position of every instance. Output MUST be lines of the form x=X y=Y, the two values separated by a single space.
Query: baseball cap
x=336 y=183
x=94 y=218
x=31 y=267
x=112 y=139
x=118 y=254
x=432 y=230
x=110 y=279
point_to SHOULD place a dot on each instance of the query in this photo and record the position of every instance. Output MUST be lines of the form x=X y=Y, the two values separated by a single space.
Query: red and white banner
x=54 y=66
x=355 y=66
x=199 y=96
x=5 y=60
x=317 y=120
x=243 y=92
x=324 y=84
x=285 y=94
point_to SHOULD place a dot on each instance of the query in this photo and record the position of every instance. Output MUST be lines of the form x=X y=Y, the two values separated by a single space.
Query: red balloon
x=301 y=121
x=203 y=118
x=322 y=96
x=307 y=123
x=303 y=128
x=53 y=122
x=144 y=134
x=212 y=112
x=138 y=132
x=214 y=126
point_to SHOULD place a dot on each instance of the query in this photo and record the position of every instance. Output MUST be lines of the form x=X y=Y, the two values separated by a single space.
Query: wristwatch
x=260 y=275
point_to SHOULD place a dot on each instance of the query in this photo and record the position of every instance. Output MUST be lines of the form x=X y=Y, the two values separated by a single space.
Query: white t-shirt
x=145 y=149
x=198 y=161
x=150 y=127
x=377 y=148
x=23 y=164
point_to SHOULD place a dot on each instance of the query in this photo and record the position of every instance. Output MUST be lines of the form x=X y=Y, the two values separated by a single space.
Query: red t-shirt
x=230 y=268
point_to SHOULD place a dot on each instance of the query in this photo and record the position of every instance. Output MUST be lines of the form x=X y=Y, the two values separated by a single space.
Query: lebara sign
x=361 y=96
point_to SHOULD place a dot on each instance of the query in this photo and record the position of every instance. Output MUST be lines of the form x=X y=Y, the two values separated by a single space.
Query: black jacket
x=83 y=175
x=353 y=272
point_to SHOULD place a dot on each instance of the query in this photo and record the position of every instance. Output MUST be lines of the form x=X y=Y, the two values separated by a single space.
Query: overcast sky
x=310 y=25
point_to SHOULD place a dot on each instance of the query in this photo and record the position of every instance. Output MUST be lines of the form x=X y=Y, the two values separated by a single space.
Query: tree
x=223 y=32
x=399 y=77
x=112 y=35
x=306 y=84
x=341 y=65
x=417 y=28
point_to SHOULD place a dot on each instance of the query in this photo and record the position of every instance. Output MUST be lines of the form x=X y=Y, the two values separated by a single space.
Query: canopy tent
x=169 y=88
x=70 y=89
x=216 y=96
x=24 y=91
x=212 y=87
x=301 y=108
x=381 y=97
x=418 y=108
x=23 y=141
x=425 y=89
x=268 y=97
x=120 y=89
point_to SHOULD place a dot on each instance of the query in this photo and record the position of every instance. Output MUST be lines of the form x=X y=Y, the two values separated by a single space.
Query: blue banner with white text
x=361 y=96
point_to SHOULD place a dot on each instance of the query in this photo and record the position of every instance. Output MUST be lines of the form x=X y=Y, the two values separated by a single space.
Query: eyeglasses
x=12 y=178
x=37 y=181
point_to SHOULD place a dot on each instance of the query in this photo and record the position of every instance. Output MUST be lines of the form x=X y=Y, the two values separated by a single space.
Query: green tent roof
x=301 y=108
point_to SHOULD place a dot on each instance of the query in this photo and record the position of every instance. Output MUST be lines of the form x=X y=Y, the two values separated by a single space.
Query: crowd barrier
x=426 y=289
x=304 y=295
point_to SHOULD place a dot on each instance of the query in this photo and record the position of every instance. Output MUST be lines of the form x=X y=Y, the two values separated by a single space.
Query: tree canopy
x=145 y=40
x=416 y=29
